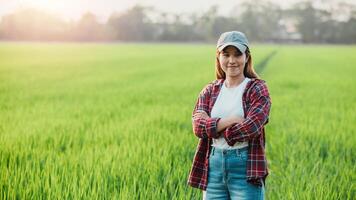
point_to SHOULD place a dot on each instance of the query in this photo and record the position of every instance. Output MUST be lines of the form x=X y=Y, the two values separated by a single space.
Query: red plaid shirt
x=256 y=106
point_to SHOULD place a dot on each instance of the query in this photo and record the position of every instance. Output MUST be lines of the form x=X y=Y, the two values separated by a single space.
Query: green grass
x=105 y=121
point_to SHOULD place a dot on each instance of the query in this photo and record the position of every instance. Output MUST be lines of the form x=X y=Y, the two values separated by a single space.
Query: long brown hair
x=249 y=71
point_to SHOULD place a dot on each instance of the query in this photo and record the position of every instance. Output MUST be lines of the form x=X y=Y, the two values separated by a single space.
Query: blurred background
x=296 y=21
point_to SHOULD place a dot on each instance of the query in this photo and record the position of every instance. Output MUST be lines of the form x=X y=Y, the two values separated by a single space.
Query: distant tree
x=89 y=29
x=204 y=24
x=133 y=25
x=179 y=30
x=259 y=19
x=318 y=25
x=345 y=28
x=309 y=21
x=349 y=31
x=222 y=24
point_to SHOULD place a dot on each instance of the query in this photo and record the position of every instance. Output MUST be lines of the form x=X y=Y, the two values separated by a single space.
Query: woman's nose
x=232 y=60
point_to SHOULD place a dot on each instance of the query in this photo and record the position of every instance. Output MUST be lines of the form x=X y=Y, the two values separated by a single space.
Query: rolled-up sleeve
x=204 y=128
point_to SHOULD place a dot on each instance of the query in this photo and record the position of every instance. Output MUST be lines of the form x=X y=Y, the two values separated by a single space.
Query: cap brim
x=239 y=46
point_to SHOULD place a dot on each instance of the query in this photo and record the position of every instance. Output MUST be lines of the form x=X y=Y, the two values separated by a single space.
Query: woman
x=229 y=118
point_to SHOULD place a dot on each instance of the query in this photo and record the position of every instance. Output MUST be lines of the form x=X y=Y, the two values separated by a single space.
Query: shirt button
x=224 y=151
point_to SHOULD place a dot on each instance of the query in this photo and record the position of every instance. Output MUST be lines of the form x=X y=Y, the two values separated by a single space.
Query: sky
x=73 y=9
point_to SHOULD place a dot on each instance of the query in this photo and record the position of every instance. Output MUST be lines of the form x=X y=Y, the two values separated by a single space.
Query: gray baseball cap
x=234 y=38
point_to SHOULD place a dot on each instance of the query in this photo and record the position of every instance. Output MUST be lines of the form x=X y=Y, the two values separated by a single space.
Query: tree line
x=304 y=22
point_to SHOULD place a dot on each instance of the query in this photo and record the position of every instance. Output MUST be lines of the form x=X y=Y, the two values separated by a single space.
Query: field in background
x=114 y=121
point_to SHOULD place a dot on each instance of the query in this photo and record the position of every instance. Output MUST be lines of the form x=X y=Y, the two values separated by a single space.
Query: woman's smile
x=233 y=68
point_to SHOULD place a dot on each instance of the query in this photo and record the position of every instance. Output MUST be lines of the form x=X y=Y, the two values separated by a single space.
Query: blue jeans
x=227 y=176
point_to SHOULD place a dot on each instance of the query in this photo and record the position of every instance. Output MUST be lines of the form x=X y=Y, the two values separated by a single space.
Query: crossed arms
x=234 y=128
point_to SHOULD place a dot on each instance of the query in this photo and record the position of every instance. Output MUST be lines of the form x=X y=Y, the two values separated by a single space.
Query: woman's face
x=232 y=61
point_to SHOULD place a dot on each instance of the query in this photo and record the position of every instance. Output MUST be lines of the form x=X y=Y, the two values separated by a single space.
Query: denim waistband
x=215 y=150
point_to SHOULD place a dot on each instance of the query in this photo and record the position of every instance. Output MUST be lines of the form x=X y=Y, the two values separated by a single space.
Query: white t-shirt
x=229 y=102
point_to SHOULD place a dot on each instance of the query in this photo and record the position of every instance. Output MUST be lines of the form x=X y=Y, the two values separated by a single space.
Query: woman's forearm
x=228 y=121
x=224 y=123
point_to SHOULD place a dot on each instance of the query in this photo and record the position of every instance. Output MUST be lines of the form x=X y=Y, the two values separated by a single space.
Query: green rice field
x=113 y=121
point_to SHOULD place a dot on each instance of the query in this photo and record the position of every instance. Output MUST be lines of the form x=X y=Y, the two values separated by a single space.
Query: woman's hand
x=200 y=114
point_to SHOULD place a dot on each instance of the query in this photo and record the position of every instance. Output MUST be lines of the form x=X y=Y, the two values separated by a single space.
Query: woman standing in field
x=229 y=118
